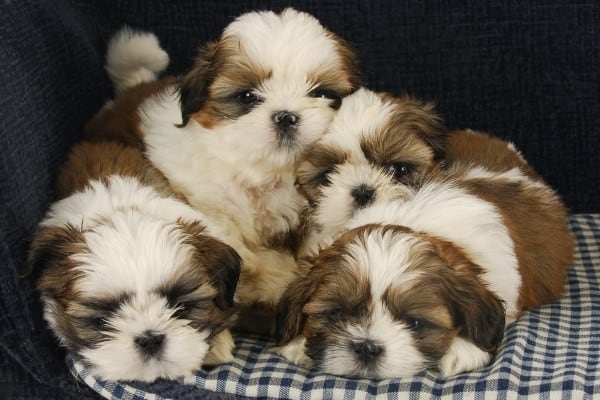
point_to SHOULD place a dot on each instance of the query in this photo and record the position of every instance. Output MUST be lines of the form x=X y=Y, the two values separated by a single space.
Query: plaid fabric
x=550 y=353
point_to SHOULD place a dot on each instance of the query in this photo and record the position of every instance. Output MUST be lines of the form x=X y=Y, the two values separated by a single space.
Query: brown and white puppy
x=377 y=148
x=230 y=134
x=427 y=272
x=133 y=280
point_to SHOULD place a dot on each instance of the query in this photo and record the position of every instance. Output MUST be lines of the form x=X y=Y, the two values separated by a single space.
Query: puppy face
x=135 y=296
x=384 y=301
x=269 y=86
x=375 y=149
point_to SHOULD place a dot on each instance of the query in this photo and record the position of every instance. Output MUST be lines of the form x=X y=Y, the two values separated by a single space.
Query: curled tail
x=134 y=57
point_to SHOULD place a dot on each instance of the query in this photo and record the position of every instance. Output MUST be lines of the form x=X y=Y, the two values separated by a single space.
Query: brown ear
x=422 y=118
x=290 y=318
x=49 y=255
x=194 y=86
x=479 y=313
x=227 y=267
x=221 y=260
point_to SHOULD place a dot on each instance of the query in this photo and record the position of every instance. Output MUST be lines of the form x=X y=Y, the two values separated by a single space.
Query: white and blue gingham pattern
x=551 y=353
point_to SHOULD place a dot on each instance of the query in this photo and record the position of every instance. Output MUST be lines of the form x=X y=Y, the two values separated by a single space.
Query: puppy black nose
x=367 y=350
x=362 y=195
x=285 y=120
x=150 y=342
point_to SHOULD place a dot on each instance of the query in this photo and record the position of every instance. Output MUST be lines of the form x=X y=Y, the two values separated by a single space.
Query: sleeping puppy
x=426 y=272
x=132 y=279
x=229 y=134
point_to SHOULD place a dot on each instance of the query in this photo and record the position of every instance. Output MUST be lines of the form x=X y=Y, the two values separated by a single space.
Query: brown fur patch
x=215 y=260
x=98 y=160
x=413 y=135
x=472 y=148
x=220 y=72
x=537 y=223
x=312 y=170
x=50 y=253
x=120 y=122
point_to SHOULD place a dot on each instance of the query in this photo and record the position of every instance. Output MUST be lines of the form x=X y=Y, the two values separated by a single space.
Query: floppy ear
x=221 y=260
x=193 y=87
x=478 y=312
x=227 y=273
x=290 y=318
x=52 y=244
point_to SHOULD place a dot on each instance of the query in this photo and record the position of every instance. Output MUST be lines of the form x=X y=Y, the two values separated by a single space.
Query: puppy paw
x=221 y=350
x=294 y=352
x=462 y=356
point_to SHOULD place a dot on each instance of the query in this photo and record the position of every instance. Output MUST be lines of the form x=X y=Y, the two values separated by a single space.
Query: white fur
x=134 y=57
x=294 y=351
x=135 y=247
x=446 y=211
x=118 y=358
x=462 y=356
x=236 y=171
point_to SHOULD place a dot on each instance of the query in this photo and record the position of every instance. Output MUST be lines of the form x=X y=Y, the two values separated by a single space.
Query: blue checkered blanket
x=550 y=353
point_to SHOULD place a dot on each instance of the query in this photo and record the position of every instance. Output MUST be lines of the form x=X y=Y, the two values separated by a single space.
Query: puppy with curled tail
x=229 y=133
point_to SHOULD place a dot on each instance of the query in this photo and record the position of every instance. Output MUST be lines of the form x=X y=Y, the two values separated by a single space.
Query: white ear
x=294 y=352
x=462 y=356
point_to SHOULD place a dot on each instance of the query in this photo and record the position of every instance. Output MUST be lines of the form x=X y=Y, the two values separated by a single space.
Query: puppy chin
x=137 y=288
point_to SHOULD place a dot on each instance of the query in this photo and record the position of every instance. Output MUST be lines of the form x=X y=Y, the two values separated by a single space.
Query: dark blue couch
x=525 y=71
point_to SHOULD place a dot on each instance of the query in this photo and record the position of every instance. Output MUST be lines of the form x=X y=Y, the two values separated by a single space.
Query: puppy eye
x=415 y=324
x=186 y=305
x=324 y=93
x=398 y=170
x=334 y=315
x=248 y=98
x=323 y=178
x=98 y=322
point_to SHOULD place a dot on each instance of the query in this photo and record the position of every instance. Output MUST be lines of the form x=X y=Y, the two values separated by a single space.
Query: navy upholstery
x=525 y=71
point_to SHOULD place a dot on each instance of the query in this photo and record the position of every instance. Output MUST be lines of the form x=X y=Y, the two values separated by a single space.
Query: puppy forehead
x=134 y=253
x=361 y=116
x=289 y=42
x=387 y=255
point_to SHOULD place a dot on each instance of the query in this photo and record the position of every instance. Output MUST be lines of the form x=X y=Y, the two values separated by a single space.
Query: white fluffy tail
x=134 y=57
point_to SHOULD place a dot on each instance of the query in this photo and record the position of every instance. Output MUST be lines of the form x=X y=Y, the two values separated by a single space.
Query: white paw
x=220 y=350
x=462 y=356
x=294 y=352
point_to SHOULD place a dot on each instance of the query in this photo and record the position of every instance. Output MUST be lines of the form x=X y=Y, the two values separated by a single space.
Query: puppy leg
x=221 y=349
x=462 y=356
x=294 y=352
x=264 y=277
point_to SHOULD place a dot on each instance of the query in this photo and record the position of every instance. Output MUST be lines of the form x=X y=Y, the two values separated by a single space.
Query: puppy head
x=134 y=296
x=269 y=86
x=376 y=148
x=384 y=301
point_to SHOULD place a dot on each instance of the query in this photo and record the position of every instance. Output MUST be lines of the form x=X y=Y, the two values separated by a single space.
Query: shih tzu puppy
x=228 y=134
x=418 y=273
x=377 y=147
x=132 y=279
